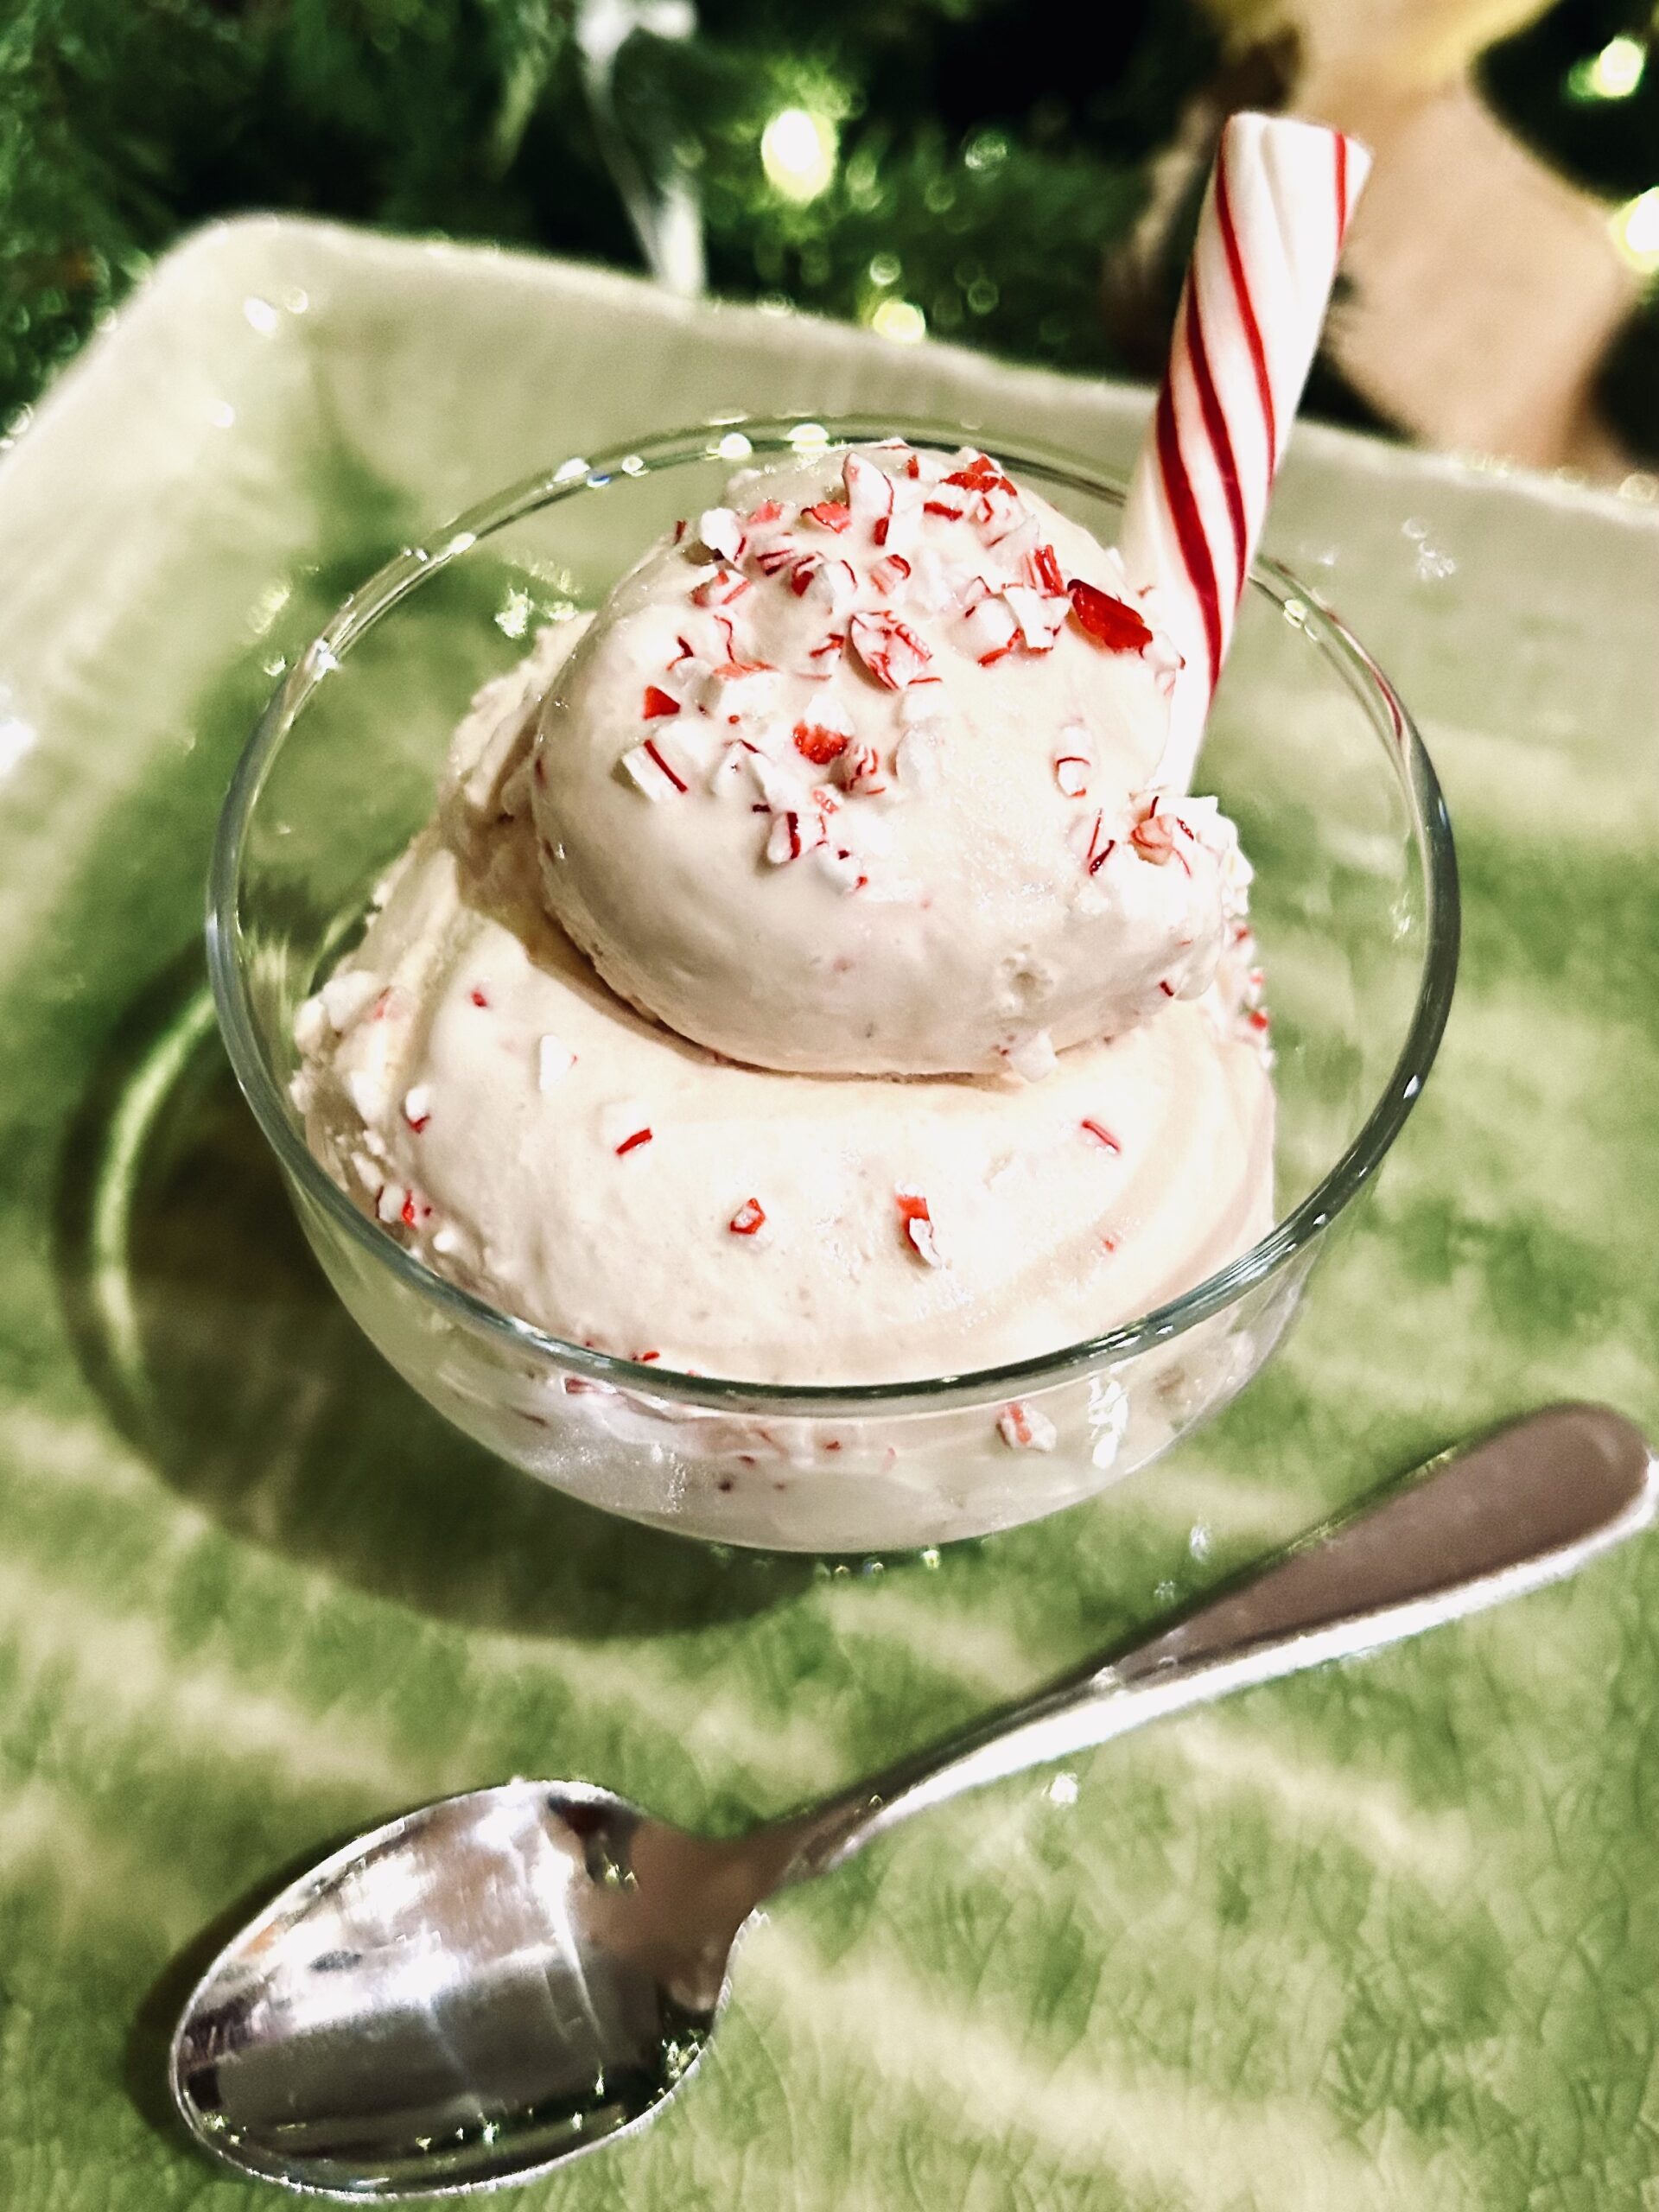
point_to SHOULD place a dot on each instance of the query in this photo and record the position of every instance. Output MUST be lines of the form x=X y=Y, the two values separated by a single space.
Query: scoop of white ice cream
x=467 y=1079
x=852 y=777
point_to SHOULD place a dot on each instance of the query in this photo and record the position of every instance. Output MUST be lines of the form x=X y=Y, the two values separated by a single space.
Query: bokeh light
x=798 y=152
x=902 y=321
x=1636 y=231
x=1612 y=74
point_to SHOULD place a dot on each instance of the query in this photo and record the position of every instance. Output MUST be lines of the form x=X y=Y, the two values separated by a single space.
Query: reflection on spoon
x=480 y=1990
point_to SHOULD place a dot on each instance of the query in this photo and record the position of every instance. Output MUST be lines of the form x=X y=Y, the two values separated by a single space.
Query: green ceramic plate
x=1386 y=1937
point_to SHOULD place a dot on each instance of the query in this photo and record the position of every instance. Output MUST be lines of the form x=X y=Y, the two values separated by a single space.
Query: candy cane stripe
x=1340 y=149
x=1263 y=261
x=1246 y=305
x=1221 y=445
x=1189 y=529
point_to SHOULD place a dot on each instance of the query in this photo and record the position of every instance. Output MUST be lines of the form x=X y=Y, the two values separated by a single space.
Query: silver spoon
x=480 y=1990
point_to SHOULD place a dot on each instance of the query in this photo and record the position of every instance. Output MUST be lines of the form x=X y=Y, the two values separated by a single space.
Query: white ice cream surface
x=842 y=780
x=473 y=1084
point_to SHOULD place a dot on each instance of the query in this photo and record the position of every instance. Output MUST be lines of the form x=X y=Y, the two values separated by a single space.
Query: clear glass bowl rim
x=734 y=439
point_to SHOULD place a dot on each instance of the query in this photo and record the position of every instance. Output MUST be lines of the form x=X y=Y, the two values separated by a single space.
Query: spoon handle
x=1523 y=1507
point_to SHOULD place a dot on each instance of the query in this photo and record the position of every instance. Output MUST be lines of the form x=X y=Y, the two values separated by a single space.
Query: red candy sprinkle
x=819 y=745
x=477 y=996
x=1110 y=622
x=982 y=474
x=659 y=702
x=750 y=1218
x=631 y=1144
x=917 y=1223
x=1100 y=1135
x=830 y=514
x=1153 y=837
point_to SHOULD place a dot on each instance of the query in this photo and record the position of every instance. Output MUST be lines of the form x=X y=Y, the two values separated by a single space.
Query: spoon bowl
x=473 y=1992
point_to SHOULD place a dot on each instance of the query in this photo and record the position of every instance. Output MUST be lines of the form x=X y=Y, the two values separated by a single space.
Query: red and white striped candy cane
x=1262 y=266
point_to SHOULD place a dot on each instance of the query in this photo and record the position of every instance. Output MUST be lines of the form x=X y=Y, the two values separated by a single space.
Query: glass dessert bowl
x=1355 y=910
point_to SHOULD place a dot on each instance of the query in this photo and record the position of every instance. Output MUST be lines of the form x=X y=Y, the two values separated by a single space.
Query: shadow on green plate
x=222 y=1352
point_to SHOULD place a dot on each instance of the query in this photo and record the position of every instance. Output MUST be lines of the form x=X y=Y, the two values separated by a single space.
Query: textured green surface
x=1386 y=1937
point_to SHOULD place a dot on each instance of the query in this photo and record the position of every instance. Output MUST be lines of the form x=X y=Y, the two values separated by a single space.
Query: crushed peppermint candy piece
x=1089 y=838
x=1153 y=836
x=1002 y=512
x=828 y=514
x=657 y=768
x=1040 y=618
x=831 y=584
x=737 y=688
x=749 y=1219
x=841 y=865
x=917 y=1222
x=979 y=474
x=1046 y=573
x=1098 y=1132
x=625 y=1126
x=891 y=570
x=554 y=1061
x=721 y=532
x=1074 y=763
x=784 y=840
x=891 y=651
x=1110 y=622
x=870 y=489
x=991 y=630
x=721 y=588
x=821 y=742
x=418 y=1106
x=659 y=703
x=860 y=770
x=1024 y=1428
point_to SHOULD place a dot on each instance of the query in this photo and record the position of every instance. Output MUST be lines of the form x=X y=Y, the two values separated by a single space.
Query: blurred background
x=1002 y=175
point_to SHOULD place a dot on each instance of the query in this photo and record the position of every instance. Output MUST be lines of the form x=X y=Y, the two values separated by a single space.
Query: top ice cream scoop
x=852 y=776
